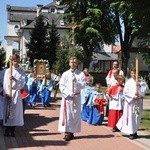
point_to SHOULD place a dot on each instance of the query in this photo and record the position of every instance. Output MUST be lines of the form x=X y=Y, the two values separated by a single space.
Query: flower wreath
x=41 y=61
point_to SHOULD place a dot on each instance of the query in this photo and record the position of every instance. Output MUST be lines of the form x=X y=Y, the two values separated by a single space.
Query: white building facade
x=20 y=22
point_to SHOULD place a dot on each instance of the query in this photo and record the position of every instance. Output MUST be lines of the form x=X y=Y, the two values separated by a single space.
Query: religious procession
x=74 y=72
x=121 y=102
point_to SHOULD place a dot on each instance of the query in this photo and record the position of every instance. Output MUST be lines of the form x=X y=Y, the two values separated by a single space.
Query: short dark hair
x=15 y=56
x=98 y=84
x=133 y=69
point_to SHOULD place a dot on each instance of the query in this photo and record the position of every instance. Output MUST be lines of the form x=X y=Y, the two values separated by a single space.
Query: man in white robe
x=71 y=83
x=130 y=121
x=110 y=75
x=1 y=96
x=16 y=109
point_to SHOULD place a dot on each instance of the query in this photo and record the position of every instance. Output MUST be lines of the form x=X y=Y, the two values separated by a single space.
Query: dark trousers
x=10 y=129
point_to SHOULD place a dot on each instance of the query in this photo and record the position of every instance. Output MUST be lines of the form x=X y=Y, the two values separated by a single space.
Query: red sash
x=64 y=113
x=110 y=73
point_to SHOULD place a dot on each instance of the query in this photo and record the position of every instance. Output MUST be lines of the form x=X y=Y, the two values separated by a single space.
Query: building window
x=52 y=10
x=16 y=28
x=62 y=23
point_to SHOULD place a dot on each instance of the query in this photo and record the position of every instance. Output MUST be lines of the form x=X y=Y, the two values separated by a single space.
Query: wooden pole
x=137 y=72
x=135 y=107
x=73 y=79
x=9 y=108
x=11 y=72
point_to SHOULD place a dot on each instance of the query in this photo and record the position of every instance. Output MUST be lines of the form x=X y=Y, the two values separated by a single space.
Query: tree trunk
x=125 y=55
x=86 y=62
x=87 y=56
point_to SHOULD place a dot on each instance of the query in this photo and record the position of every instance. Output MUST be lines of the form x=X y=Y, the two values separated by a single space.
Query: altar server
x=130 y=120
x=71 y=83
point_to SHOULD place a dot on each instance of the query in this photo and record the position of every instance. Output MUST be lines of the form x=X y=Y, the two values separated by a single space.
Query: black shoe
x=7 y=133
x=65 y=136
x=72 y=135
x=48 y=105
x=133 y=136
x=1 y=122
x=69 y=137
x=115 y=130
x=12 y=134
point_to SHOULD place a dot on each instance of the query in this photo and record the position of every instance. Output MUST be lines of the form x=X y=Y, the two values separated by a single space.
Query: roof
x=53 y=4
x=20 y=8
x=49 y=18
x=19 y=17
x=104 y=56
x=17 y=13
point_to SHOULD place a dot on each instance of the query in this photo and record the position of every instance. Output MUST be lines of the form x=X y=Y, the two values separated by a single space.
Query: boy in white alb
x=130 y=120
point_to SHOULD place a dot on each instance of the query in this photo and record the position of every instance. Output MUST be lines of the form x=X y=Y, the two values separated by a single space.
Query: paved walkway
x=40 y=133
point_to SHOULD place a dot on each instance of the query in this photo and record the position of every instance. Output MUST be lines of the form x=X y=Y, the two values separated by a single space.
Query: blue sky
x=3 y=13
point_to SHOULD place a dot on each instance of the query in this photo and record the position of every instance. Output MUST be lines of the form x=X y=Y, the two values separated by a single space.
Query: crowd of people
x=18 y=89
x=81 y=100
x=122 y=99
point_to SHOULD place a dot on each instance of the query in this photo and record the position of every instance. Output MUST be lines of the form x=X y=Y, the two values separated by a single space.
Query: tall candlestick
x=137 y=72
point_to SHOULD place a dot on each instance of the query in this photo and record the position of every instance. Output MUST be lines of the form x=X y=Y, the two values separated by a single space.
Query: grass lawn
x=147 y=95
x=103 y=89
x=145 y=121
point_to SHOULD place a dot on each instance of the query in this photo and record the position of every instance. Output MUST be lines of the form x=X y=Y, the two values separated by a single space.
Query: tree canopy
x=37 y=45
x=107 y=21
x=95 y=22
x=52 y=44
x=44 y=41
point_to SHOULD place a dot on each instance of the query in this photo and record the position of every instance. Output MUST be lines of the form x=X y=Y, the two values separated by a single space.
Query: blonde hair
x=120 y=78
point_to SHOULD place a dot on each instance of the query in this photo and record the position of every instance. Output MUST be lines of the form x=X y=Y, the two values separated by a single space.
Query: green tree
x=130 y=19
x=37 y=46
x=61 y=63
x=2 y=58
x=64 y=52
x=53 y=42
x=106 y=21
x=126 y=29
x=142 y=15
x=95 y=23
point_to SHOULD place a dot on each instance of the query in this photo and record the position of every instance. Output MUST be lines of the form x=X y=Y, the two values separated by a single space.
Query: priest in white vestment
x=71 y=83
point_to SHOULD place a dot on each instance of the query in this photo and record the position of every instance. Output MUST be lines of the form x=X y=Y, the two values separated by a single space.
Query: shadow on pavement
x=30 y=136
x=94 y=136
